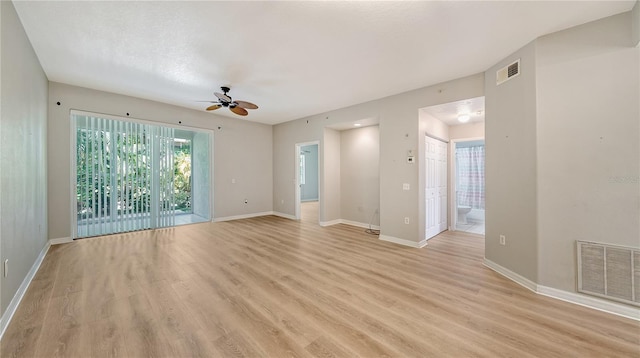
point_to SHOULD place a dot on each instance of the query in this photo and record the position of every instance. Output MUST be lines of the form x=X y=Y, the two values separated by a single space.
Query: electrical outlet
x=406 y=186
x=406 y=220
x=503 y=240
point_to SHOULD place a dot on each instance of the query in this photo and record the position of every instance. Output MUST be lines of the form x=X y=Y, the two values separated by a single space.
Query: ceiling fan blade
x=222 y=97
x=208 y=101
x=246 y=105
x=214 y=107
x=239 y=111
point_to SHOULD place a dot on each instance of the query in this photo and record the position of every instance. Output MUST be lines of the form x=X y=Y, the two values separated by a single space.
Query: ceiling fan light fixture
x=464 y=118
x=224 y=100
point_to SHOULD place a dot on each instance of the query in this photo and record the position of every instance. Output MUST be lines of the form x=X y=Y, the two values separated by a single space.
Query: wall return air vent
x=508 y=72
x=609 y=271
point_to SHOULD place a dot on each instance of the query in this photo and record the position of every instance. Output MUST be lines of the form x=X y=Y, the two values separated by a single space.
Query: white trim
x=571 y=297
x=265 y=213
x=433 y=136
x=517 y=278
x=359 y=224
x=243 y=216
x=591 y=302
x=283 y=215
x=404 y=242
x=60 y=240
x=73 y=174
x=22 y=289
x=330 y=223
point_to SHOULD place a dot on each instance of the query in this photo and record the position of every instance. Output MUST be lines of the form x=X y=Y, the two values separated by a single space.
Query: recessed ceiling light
x=357 y=124
x=464 y=118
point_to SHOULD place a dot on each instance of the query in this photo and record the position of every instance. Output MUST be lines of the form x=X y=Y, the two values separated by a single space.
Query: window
x=182 y=175
x=135 y=175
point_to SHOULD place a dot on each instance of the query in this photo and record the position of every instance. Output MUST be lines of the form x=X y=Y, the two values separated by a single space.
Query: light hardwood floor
x=272 y=287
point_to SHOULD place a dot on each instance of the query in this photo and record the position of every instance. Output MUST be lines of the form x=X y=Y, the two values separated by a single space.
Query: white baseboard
x=332 y=222
x=22 y=289
x=349 y=222
x=359 y=224
x=243 y=216
x=283 y=215
x=521 y=280
x=591 y=302
x=60 y=240
x=571 y=297
x=404 y=242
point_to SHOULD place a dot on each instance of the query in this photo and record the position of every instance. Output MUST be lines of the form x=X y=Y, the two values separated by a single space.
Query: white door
x=436 y=187
x=442 y=185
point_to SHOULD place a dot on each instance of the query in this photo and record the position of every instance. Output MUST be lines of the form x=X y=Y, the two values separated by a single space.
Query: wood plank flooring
x=272 y=287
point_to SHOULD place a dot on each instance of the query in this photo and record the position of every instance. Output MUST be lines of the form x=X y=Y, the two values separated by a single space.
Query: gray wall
x=563 y=150
x=433 y=126
x=23 y=161
x=510 y=168
x=635 y=26
x=309 y=190
x=399 y=132
x=360 y=174
x=242 y=151
x=330 y=186
x=588 y=143
x=464 y=131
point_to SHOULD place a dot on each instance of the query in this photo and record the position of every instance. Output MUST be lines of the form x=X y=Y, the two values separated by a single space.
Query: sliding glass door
x=133 y=175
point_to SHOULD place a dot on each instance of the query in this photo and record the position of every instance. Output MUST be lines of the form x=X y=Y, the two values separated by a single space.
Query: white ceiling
x=449 y=112
x=293 y=59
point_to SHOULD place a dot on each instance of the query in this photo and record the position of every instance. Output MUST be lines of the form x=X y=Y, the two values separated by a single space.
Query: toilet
x=462 y=214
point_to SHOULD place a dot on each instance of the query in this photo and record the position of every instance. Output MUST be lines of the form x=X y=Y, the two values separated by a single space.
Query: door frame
x=453 y=197
x=297 y=201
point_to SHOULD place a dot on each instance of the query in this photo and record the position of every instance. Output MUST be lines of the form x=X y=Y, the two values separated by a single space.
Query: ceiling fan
x=224 y=100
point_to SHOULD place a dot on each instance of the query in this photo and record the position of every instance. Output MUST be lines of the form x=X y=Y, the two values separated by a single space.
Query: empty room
x=320 y=178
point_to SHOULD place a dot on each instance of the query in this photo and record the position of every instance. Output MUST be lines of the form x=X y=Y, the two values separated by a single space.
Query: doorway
x=307 y=182
x=469 y=186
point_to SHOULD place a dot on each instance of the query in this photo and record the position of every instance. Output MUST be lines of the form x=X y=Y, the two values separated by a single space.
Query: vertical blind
x=124 y=176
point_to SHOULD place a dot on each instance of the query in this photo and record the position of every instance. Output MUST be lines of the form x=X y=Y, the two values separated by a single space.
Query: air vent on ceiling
x=508 y=72
x=609 y=271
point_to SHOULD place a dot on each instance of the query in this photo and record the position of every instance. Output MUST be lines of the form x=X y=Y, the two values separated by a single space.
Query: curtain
x=470 y=176
x=124 y=176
